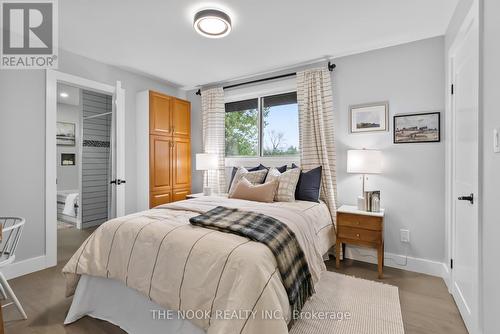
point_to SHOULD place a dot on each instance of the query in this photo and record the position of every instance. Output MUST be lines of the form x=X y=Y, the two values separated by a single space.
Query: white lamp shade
x=206 y=161
x=364 y=161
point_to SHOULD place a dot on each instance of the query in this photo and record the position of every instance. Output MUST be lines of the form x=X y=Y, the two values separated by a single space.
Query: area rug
x=344 y=304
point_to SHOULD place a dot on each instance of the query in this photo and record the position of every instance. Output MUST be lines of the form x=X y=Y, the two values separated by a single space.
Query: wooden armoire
x=169 y=149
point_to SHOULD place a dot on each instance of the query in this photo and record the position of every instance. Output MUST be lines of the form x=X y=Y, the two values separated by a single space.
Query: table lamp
x=364 y=162
x=206 y=162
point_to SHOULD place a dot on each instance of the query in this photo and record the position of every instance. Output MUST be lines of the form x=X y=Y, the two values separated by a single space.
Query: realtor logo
x=29 y=34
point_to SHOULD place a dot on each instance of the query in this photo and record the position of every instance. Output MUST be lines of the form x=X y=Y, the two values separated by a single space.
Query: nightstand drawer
x=359 y=221
x=359 y=234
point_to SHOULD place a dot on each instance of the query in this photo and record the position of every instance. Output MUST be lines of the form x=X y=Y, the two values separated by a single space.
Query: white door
x=119 y=151
x=465 y=108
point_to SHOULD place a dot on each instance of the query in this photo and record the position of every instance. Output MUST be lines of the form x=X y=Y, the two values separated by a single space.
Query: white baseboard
x=424 y=266
x=24 y=267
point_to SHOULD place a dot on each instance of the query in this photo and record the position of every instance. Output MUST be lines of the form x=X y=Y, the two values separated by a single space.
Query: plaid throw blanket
x=292 y=263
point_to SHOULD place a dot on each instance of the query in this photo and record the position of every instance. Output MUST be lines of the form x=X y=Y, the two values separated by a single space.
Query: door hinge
x=452 y=89
x=451 y=263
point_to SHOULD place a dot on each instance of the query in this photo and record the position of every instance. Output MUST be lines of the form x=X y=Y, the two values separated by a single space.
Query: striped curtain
x=212 y=105
x=317 y=145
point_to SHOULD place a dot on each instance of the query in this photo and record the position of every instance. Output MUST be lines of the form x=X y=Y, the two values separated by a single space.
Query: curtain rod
x=330 y=68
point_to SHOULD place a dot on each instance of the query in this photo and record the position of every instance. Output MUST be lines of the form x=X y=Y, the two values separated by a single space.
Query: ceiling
x=156 y=37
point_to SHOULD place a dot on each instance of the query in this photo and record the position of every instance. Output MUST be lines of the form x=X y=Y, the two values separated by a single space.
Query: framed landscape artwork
x=417 y=128
x=65 y=134
x=369 y=117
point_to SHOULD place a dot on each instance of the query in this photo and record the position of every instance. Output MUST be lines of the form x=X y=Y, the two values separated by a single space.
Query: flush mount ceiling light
x=64 y=94
x=212 y=23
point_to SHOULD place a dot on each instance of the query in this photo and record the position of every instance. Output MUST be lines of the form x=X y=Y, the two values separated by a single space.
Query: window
x=264 y=126
x=242 y=128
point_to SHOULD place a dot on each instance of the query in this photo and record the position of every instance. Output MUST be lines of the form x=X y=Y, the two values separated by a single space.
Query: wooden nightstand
x=360 y=228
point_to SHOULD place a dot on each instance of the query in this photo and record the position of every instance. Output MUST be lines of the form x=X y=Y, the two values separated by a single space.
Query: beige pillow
x=255 y=177
x=258 y=193
x=287 y=183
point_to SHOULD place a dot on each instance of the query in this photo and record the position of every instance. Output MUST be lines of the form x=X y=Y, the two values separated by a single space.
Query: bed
x=138 y=271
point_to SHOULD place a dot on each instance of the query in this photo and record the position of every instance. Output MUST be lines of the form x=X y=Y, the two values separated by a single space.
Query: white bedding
x=97 y=297
x=92 y=292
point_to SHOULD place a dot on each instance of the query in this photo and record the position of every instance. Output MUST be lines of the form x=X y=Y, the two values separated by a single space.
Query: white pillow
x=255 y=177
x=287 y=182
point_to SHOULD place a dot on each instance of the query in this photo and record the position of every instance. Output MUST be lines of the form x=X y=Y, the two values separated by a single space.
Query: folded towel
x=69 y=205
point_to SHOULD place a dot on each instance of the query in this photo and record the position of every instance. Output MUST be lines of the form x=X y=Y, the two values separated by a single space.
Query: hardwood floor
x=426 y=305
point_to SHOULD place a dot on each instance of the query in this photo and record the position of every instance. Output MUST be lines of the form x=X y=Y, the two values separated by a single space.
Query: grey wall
x=22 y=139
x=67 y=176
x=491 y=168
x=95 y=158
x=22 y=155
x=411 y=78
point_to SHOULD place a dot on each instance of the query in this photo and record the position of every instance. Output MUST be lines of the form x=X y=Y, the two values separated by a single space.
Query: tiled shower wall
x=95 y=158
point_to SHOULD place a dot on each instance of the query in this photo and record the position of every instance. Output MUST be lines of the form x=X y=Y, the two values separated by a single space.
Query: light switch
x=496 y=141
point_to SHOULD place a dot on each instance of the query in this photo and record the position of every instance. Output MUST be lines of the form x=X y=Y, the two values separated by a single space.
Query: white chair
x=12 y=228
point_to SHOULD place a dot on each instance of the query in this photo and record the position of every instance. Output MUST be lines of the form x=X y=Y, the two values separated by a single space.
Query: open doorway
x=85 y=163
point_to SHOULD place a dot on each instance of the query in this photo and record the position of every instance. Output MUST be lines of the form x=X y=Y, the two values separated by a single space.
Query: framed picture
x=417 y=128
x=68 y=159
x=369 y=117
x=65 y=134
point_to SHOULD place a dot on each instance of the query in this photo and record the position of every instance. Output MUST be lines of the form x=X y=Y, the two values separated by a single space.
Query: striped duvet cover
x=233 y=280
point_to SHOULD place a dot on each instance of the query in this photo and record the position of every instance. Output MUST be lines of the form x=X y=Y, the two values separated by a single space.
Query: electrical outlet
x=405 y=235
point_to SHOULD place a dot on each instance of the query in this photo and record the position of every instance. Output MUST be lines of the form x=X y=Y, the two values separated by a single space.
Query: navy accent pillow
x=251 y=169
x=309 y=185
x=281 y=169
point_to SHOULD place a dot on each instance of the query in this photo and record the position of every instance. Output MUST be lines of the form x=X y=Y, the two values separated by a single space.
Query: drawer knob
x=357 y=223
x=357 y=235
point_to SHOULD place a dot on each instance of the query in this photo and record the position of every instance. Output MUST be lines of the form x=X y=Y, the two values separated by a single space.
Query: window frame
x=260 y=95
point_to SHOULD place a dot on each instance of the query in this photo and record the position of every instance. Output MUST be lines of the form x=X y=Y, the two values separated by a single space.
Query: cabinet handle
x=357 y=223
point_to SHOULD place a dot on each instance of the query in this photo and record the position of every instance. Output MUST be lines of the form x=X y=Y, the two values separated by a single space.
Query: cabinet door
x=179 y=195
x=181 y=117
x=160 y=163
x=182 y=163
x=160 y=114
x=159 y=198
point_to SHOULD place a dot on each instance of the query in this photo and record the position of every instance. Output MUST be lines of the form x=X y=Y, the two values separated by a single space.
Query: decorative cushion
x=309 y=184
x=250 y=169
x=287 y=182
x=281 y=169
x=255 y=177
x=258 y=193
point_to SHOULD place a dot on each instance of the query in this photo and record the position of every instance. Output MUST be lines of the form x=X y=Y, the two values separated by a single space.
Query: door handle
x=469 y=198
x=118 y=182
